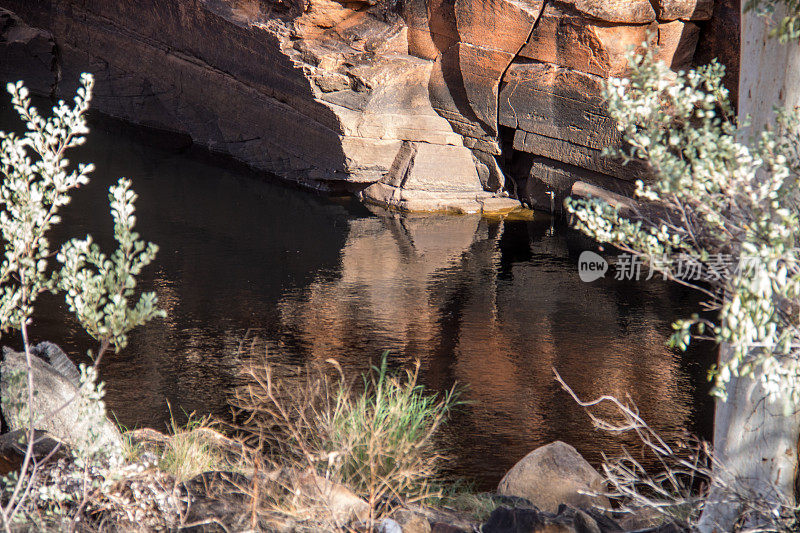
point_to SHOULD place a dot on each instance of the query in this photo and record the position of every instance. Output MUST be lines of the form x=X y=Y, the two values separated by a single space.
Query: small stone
x=584 y=523
x=412 y=522
x=387 y=525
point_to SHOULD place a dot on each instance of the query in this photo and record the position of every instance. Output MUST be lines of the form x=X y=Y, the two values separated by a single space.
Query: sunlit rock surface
x=420 y=105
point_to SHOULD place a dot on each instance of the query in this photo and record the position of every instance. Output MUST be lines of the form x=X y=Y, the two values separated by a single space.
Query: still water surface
x=492 y=305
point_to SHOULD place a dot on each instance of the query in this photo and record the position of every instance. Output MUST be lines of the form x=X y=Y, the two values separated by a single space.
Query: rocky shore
x=420 y=105
x=551 y=489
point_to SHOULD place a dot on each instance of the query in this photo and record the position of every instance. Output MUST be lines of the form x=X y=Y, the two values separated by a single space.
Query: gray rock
x=387 y=525
x=56 y=357
x=56 y=405
x=552 y=475
x=584 y=523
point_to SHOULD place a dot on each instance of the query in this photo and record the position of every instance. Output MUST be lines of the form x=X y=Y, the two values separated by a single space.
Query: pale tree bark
x=755 y=453
x=755 y=440
x=769 y=72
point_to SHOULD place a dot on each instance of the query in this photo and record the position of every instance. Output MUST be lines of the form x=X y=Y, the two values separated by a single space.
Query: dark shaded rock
x=13 y=446
x=719 y=39
x=532 y=520
x=583 y=523
x=510 y=520
x=603 y=521
x=544 y=183
x=27 y=53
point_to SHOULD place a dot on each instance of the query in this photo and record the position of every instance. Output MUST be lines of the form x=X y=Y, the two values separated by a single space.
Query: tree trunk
x=769 y=73
x=755 y=452
x=755 y=440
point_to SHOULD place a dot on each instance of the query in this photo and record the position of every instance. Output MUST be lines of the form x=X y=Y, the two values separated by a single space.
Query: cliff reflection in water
x=495 y=306
x=492 y=305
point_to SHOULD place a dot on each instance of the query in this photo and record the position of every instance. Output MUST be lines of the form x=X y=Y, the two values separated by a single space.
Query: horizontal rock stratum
x=421 y=105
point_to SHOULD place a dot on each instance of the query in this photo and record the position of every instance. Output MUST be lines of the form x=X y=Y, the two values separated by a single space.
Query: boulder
x=552 y=475
x=412 y=522
x=57 y=406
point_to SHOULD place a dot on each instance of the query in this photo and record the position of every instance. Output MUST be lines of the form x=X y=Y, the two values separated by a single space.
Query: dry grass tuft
x=677 y=494
x=376 y=440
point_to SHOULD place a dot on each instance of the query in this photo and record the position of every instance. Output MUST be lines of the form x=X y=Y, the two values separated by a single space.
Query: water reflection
x=496 y=306
x=492 y=305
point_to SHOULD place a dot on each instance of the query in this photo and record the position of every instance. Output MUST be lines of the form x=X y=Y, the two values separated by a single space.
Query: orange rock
x=624 y=11
x=684 y=9
x=572 y=40
x=677 y=41
x=476 y=42
x=431 y=27
x=560 y=113
x=496 y=24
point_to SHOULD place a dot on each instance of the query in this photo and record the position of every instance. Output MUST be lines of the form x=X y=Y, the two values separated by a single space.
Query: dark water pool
x=493 y=305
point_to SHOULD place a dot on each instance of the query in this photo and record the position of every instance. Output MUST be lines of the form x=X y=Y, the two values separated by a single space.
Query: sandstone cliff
x=415 y=104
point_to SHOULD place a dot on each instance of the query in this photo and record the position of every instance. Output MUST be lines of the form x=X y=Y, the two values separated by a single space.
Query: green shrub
x=37 y=180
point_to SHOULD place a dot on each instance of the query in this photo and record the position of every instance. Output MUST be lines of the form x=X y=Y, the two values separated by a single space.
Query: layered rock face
x=418 y=104
x=551 y=95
